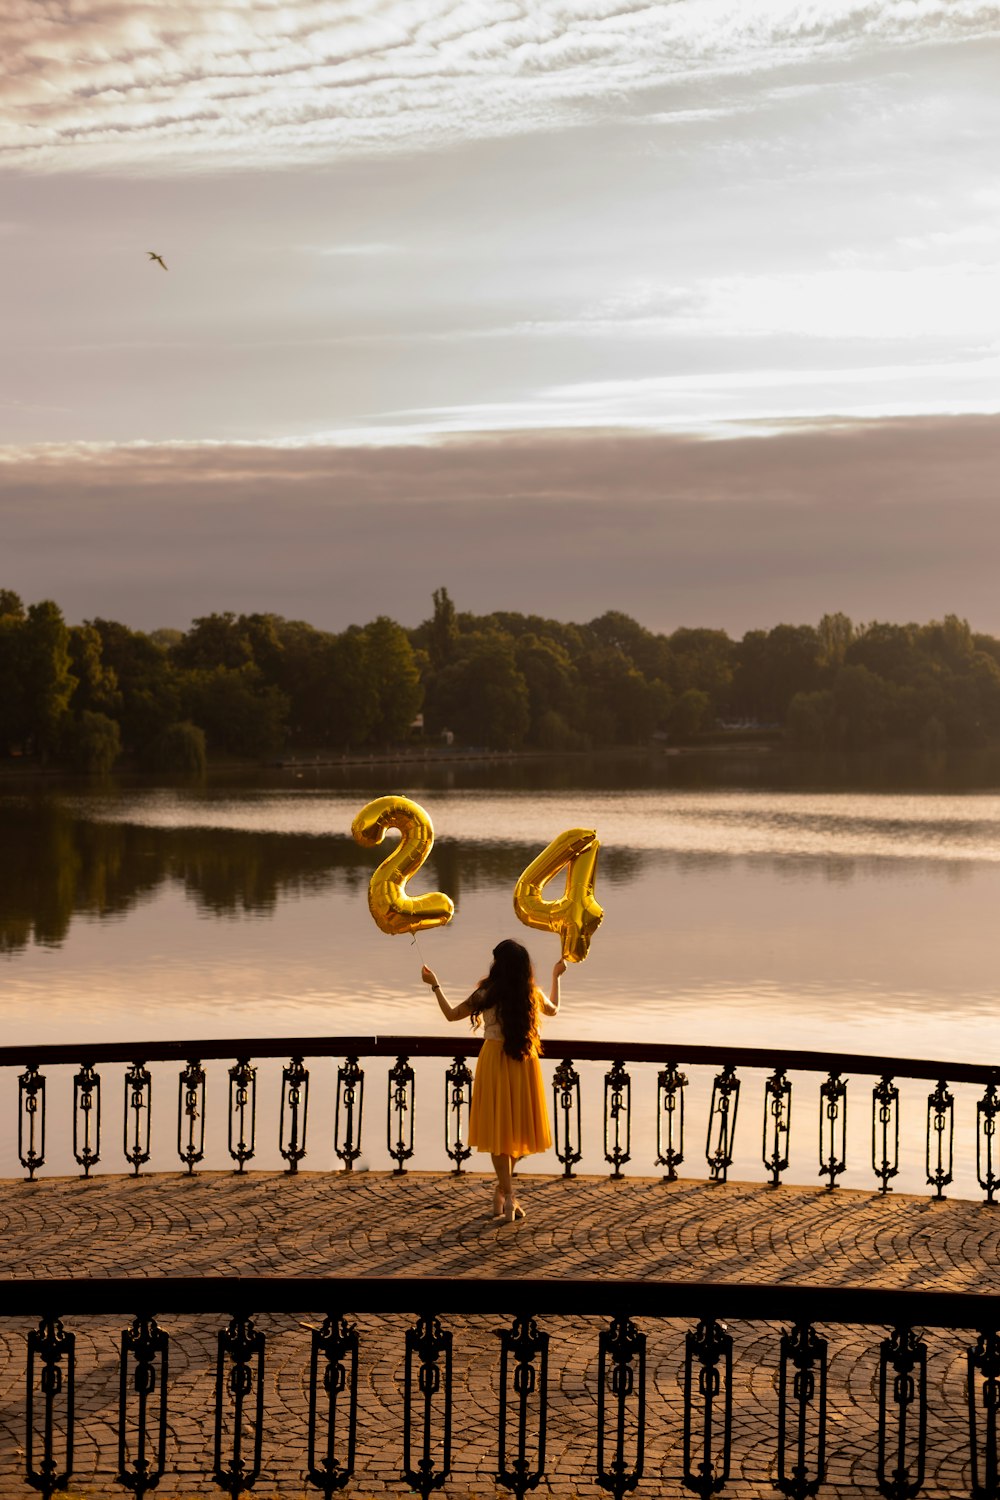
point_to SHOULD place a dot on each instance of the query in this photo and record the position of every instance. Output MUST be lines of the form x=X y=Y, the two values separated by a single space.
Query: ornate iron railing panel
x=615 y=1420
x=617 y=1118
x=524 y=1370
x=191 y=1115
x=621 y=1384
x=940 y=1138
x=670 y=1086
x=328 y=1467
x=622 y=1087
x=349 y=1112
x=87 y=1118
x=457 y=1107
x=242 y=1112
x=144 y=1359
x=399 y=1114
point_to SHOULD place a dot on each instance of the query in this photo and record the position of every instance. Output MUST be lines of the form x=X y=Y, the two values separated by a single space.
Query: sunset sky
x=688 y=309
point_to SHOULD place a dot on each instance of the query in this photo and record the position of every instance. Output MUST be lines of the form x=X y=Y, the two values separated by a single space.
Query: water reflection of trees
x=56 y=867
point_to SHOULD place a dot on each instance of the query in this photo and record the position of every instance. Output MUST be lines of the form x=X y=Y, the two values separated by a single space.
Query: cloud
x=890 y=520
x=118 y=83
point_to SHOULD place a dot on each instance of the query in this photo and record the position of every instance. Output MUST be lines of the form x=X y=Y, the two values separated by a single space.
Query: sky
x=688 y=309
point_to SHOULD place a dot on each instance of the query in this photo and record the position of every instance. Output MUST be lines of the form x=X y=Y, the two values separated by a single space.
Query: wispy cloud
x=115 y=83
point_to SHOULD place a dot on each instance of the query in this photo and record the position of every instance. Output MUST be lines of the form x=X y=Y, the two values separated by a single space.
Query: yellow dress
x=508 y=1115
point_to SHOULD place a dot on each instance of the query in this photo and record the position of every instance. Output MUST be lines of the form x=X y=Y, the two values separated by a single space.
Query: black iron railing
x=671 y=1146
x=903 y=1355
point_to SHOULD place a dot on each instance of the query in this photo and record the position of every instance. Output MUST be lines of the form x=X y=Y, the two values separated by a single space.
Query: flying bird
x=159 y=258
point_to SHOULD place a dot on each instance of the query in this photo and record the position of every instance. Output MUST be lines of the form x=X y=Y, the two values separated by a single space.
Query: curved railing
x=659 y=1404
x=671 y=1143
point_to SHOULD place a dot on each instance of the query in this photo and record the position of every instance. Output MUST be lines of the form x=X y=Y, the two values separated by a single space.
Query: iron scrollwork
x=832 y=1128
x=710 y=1349
x=52 y=1354
x=399 y=1114
x=617 y=1118
x=87 y=1118
x=191 y=1115
x=31 y=1120
x=804 y=1355
x=349 y=1108
x=428 y=1347
x=940 y=1130
x=987 y=1110
x=242 y=1112
x=983 y=1364
x=239 y=1378
x=525 y=1347
x=336 y=1345
x=885 y=1131
x=457 y=1104
x=670 y=1086
x=906 y=1357
x=138 y=1113
x=622 y=1372
x=566 y=1113
x=294 y=1113
x=777 y=1124
x=722 y=1123
x=145 y=1346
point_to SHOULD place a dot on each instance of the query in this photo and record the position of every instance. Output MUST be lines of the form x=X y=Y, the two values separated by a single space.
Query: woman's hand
x=429 y=977
x=558 y=968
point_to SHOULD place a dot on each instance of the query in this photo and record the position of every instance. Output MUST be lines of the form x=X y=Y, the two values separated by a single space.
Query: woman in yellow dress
x=508 y=1117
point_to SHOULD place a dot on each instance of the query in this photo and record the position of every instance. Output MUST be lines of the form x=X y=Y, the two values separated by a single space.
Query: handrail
x=466 y=1044
x=889 y=1306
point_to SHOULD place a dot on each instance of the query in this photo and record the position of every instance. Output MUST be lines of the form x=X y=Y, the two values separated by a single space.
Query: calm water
x=859 y=919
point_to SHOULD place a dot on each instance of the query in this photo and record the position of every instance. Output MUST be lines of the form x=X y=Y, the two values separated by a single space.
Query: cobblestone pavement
x=426 y=1224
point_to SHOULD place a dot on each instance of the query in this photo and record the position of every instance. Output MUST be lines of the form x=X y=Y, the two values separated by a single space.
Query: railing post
x=86 y=1118
x=191 y=1114
x=708 y=1347
x=622 y=1372
x=54 y=1350
x=350 y=1096
x=885 y=1131
x=722 y=1123
x=986 y=1114
x=617 y=1109
x=138 y=1104
x=400 y=1102
x=241 y=1350
x=294 y=1113
x=670 y=1086
x=427 y=1346
x=31 y=1120
x=902 y=1353
x=146 y=1344
x=983 y=1363
x=940 y=1127
x=523 y=1344
x=566 y=1115
x=804 y=1352
x=457 y=1104
x=832 y=1128
x=777 y=1124
x=337 y=1344
x=242 y=1111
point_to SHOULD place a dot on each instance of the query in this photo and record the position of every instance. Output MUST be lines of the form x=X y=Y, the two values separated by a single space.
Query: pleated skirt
x=508 y=1115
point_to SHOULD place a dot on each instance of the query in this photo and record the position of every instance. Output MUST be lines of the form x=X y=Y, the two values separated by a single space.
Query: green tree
x=179 y=747
x=395 y=677
x=47 y=682
x=442 y=631
x=482 y=697
x=92 y=742
x=11 y=604
x=835 y=633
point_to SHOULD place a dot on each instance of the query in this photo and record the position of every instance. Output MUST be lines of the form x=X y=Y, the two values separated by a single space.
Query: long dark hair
x=509 y=988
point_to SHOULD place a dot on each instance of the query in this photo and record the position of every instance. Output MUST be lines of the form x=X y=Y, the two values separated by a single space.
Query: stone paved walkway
x=425 y=1224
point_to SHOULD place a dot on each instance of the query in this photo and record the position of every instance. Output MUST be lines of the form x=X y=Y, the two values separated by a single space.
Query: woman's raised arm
x=450 y=1012
x=550 y=1006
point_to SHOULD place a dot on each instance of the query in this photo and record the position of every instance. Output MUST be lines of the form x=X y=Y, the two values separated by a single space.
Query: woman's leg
x=502 y=1167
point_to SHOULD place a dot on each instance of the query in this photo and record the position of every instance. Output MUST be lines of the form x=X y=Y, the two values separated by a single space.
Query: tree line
x=256 y=685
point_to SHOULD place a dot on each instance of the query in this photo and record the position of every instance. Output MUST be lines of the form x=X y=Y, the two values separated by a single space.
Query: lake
x=740 y=903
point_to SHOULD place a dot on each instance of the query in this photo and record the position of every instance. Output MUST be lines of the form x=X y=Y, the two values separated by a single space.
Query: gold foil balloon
x=576 y=916
x=394 y=911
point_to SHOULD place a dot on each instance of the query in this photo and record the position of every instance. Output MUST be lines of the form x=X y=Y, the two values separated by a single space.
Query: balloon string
x=423 y=961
